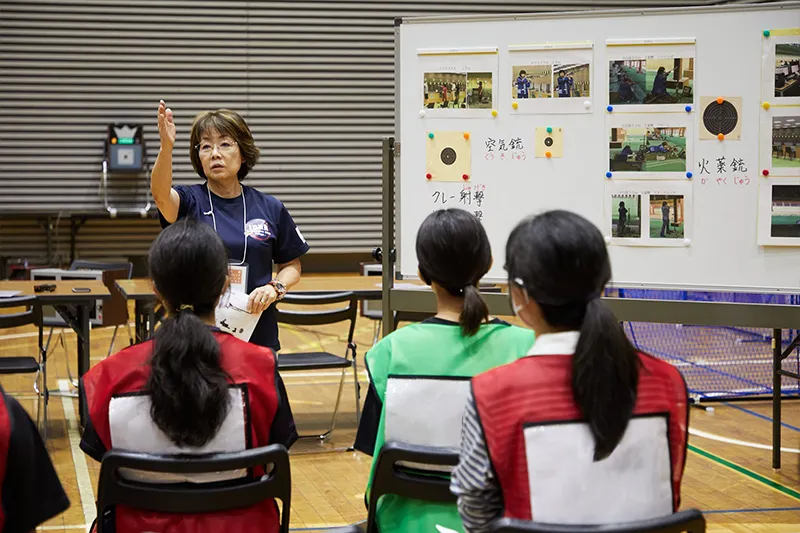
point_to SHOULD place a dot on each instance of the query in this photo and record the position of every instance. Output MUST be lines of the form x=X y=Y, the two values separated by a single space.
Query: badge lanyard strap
x=244 y=220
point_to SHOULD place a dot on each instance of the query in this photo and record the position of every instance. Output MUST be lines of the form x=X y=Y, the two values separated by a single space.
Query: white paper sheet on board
x=232 y=317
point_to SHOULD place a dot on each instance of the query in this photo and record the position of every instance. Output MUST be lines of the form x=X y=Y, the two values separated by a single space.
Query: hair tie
x=184 y=307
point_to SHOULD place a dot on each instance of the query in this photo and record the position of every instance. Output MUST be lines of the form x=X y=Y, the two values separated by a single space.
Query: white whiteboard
x=720 y=246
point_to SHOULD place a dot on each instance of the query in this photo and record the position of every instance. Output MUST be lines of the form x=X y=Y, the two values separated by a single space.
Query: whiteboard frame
x=560 y=15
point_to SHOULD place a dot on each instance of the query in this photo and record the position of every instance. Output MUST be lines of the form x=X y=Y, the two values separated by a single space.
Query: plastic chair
x=393 y=478
x=27 y=364
x=195 y=498
x=322 y=360
x=690 y=520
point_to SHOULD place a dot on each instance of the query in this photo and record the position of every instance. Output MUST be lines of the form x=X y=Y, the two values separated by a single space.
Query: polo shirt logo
x=258 y=229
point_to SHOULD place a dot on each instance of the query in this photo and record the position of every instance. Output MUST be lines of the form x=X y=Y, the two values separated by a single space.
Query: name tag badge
x=238 y=277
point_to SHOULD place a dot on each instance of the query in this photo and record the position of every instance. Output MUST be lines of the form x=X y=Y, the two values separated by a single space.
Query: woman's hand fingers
x=260 y=299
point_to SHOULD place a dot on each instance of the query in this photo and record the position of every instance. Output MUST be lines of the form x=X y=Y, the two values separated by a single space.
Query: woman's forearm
x=289 y=273
x=161 y=177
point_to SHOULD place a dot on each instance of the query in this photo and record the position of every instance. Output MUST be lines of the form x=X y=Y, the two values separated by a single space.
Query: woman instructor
x=256 y=228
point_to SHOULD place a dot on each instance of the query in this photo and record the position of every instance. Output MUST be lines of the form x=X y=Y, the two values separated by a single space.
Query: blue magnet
x=688 y=109
x=608 y=174
x=689 y=175
x=610 y=108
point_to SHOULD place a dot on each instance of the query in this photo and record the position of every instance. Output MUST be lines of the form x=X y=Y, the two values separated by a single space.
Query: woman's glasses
x=224 y=147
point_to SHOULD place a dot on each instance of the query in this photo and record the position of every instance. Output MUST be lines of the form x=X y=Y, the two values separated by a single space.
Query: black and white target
x=548 y=141
x=449 y=156
x=720 y=118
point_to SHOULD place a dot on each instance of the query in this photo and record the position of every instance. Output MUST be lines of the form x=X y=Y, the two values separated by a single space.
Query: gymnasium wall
x=314 y=79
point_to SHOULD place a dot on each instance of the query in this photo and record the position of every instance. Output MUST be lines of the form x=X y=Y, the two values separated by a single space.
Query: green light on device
x=125 y=141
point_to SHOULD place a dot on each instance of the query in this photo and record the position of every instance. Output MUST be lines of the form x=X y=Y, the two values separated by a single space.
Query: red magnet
x=464 y=177
x=428 y=175
x=765 y=172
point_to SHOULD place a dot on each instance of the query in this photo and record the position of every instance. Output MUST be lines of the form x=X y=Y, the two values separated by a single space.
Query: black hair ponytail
x=605 y=375
x=561 y=261
x=453 y=250
x=189 y=391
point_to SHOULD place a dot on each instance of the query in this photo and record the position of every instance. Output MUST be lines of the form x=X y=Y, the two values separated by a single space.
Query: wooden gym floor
x=728 y=470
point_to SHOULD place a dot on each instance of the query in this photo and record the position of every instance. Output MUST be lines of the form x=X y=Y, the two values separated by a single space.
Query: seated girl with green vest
x=431 y=363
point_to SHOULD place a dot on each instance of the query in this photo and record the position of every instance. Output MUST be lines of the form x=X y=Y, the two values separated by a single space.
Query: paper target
x=721 y=117
x=448 y=156
x=550 y=143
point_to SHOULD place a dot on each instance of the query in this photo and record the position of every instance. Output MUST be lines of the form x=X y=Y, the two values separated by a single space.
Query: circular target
x=548 y=141
x=449 y=156
x=720 y=118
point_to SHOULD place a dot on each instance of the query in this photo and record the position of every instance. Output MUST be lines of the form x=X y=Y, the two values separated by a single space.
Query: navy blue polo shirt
x=272 y=236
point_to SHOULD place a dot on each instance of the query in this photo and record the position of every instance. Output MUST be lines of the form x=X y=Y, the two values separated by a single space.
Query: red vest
x=247 y=365
x=5 y=441
x=537 y=390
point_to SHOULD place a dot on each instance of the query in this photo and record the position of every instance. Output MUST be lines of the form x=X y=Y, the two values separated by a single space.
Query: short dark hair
x=228 y=123
x=454 y=251
x=521 y=72
x=562 y=72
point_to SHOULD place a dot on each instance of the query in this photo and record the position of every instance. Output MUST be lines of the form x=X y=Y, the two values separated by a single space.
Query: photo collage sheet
x=651 y=100
x=466 y=84
x=779 y=188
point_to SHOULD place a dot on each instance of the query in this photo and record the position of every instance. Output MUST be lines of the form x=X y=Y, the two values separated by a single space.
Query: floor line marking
x=759 y=415
x=746 y=472
x=79 y=459
x=711 y=436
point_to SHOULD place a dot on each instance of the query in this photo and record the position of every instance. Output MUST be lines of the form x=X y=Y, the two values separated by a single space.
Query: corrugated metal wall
x=313 y=79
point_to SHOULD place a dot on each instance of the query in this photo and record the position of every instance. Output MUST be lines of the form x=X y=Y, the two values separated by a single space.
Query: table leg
x=140 y=312
x=151 y=318
x=84 y=356
x=777 y=353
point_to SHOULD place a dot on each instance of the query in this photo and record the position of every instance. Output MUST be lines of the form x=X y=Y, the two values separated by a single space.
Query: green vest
x=427 y=351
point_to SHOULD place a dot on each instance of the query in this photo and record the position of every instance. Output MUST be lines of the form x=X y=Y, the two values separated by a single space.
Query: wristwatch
x=279 y=287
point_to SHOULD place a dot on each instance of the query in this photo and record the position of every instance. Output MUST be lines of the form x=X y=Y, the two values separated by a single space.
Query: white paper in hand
x=233 y=318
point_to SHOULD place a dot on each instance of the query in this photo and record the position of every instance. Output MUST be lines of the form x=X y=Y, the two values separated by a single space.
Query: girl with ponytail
x=192 y=389
x=419 y=375
x=585 y=430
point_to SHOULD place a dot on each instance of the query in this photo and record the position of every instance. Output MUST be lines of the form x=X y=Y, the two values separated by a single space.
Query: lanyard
x=244 y=221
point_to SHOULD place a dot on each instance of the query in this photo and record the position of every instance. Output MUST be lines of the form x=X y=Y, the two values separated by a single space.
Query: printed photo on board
x=571 y=80
x=785 y=215
x=665 y=150
x=443 y=90
x=647 y=149
x=479 y=90
x=787 y=69
x=785 y=141
x=627 y=149
x=532 y=81
x=626 y=216
x=651 y=81
x=666 y=216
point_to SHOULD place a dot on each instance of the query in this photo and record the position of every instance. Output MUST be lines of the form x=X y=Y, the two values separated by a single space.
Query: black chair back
x=80 y=264
x=391 y=478
x=31 y=315
x=319 y=318
x=195 y=498
x=690 y=520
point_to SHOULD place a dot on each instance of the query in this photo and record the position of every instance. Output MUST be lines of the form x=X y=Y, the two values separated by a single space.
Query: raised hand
x=166 y=126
